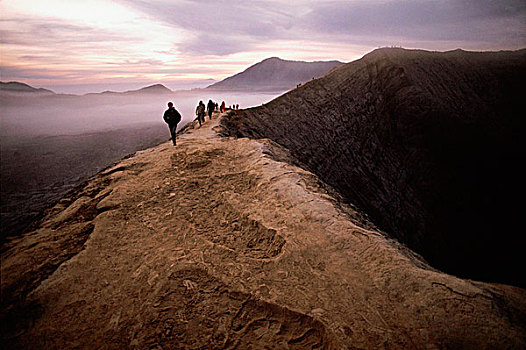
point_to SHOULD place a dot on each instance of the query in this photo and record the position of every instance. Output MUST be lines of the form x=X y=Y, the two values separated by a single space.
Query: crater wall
x=428 y=144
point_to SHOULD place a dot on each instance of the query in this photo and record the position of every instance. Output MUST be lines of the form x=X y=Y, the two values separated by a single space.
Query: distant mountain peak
x=154 y=88
x=275 y=74
x=273 y=59
x=18 y=87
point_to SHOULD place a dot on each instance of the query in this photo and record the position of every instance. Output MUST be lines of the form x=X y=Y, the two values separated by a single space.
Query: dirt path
x=221 y=243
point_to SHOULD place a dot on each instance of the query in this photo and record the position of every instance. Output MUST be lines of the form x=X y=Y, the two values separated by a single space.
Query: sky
x=80 y=46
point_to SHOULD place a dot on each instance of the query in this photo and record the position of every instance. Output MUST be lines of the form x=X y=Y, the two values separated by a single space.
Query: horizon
x=179 y=88
x=140 y=87
x=193 y=87
x=95 y=45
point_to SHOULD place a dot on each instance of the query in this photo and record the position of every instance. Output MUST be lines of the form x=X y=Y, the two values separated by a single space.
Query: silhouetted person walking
x=172 y=118
x=210 y=108
x=223 y=106
x=200 y=111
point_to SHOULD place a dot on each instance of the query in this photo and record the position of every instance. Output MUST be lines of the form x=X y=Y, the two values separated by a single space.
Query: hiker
x=222 y=107
x=217 y=106
x=237 y=106
x=200 y=112
x=172 y=118
x=210 y=107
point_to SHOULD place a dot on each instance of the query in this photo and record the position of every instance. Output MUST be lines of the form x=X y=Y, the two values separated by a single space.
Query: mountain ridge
x=275 y=74
x=23 y=88
x=424 y=142
x=270 y=74
x=18 y=87
x=150 y=89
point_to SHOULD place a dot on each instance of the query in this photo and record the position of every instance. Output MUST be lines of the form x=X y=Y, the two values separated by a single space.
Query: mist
x=51 y=115
x=50 y=144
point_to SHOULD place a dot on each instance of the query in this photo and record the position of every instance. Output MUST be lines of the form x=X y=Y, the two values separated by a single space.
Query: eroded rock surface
x=222 y=243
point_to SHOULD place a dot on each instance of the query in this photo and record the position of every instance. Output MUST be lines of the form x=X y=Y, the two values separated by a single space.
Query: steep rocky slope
x=428 y=144
x=221 y=243
x=275 y=74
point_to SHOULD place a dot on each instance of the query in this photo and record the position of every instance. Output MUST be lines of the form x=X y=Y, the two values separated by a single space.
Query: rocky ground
x=222 y=243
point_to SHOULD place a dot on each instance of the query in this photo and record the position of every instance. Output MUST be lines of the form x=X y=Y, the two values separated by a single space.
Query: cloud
x=224 y=27
x=35 y=31
x=251 y=18
x=431 y=20
x=138 y=70
x=17 y=73
x=215 y=44
x=220 y=27
x=167 y=40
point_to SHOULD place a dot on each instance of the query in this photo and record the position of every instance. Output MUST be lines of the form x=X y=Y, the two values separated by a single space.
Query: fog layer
x=70 y=114
x=50 y=144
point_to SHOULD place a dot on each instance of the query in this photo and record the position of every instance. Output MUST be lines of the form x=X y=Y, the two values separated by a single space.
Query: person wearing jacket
x=210 y=108
x=200 y=112
x=172 y=117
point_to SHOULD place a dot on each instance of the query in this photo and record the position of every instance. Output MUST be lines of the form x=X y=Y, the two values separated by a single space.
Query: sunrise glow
x=96 y=44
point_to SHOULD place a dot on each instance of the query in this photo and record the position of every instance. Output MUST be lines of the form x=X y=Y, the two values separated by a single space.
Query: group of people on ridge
x=209 y=109
x=172 y=117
